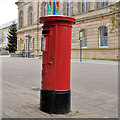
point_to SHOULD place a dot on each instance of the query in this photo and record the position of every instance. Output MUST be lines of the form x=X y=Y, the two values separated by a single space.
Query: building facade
x=98 y=41
x=4 y=31
x=93 y=21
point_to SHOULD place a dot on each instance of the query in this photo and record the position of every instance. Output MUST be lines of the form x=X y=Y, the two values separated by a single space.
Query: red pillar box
x=56 y=48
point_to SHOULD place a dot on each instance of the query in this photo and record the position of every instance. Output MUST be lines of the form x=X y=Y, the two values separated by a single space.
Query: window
x=103 y=37
x=26 y=44
x=104 y=3
x=33 y=43
x=30 y=16
x=21 y=19
x=0 y=34
x=5 y=40
x=79 y=7
x=30 y=44
x=21 y=44
x=84 y=35
x=45 y=9
x=68 y=8
x=84 y=5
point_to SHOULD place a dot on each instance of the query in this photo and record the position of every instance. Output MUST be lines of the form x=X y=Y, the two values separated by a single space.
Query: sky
x=8 y=11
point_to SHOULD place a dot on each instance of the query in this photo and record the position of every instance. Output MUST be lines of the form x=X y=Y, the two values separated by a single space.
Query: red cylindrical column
x=56 y=48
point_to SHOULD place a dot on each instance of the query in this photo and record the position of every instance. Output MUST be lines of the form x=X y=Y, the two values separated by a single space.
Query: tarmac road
x=94 y=89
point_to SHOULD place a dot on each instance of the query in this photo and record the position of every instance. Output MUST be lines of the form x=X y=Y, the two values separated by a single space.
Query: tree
x=12 y=38
x=116 y=18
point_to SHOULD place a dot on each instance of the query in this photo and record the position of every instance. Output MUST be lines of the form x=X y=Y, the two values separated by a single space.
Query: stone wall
x=111 y=54
x=91 y=21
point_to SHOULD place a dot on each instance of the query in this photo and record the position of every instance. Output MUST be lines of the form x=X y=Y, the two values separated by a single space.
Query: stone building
x=98 y=41
x=4 y=34
x=93 y=20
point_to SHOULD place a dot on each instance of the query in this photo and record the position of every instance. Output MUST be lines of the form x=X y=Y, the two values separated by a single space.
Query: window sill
x=84 y=47
x=103 y=46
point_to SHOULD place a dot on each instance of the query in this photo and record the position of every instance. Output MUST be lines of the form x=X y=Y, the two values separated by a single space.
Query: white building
x=4 y=34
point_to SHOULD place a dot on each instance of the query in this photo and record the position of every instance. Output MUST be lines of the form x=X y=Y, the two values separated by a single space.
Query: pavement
x=105 y=62
x=94 y=87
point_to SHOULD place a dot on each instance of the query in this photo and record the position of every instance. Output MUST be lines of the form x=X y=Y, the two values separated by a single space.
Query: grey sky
x=8 y=11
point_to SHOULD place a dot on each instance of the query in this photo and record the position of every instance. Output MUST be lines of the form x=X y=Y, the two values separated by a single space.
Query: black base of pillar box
x=56 y=102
